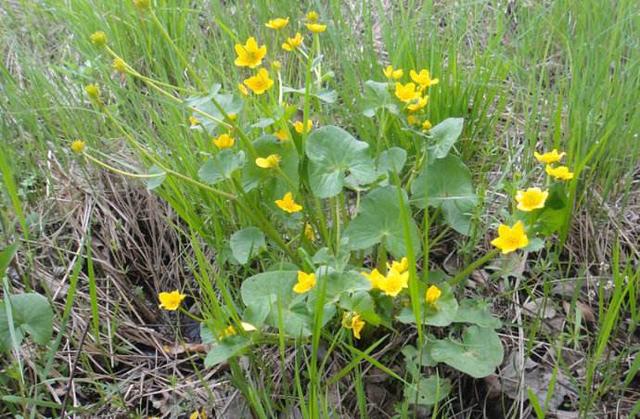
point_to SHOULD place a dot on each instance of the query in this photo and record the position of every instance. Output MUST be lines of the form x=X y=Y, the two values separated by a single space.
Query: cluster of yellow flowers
x=515 y=237
x=413 y=94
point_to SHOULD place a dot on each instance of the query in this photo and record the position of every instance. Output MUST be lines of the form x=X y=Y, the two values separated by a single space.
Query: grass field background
x=525 y=75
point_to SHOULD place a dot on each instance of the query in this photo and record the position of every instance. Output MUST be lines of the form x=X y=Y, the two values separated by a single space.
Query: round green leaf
x=333 y=155
x=230 y=103
x=476 y=312
x=225 y=349
x=272 y=182
x=221 y=166
x=478 y=355
x=377 y=97
x=378 y=219
x=272 y=292
x=444 y=136
x=247 y=243
x=446 y=184
x=31 y=314
x=440 y=314
x=428 y=391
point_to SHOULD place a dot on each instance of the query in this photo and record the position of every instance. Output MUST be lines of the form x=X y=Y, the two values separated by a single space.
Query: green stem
x=462 y=275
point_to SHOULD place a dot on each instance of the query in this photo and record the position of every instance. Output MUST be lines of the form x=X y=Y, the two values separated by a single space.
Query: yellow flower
x=401 y=266
x=423 y=78
x=394 y=282
x=171 y=300
x=316 y=27
x=531 y=199
x=282 y=134
x=299 y=126
x=193 y=121
x=354 y=322
x=305 y=282
x=292 y=43
x=228 y=332
x=288 y=204
x=93 y=91
x=560 y=172
x=249 y=54
x=119 y=65
x=511 y=238
x=375 y=277
x=426 y=125
x=142 y=4
x=549 y=157
x=231 y=330
x=78 y=146
x=259 y=83
x=243 y=89
x=269 y=162
x=312 y=16
x=308 y=232
x=413 y=120
x=392 y=74
x=419 y=104
x=198 y=414
x=277 y=23
x=432 y=294
x=223 y=141
x=406 y=92
x=98 y=38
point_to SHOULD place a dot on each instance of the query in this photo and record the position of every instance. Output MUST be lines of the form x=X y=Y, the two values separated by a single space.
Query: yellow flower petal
x=259 y=83
x=277 y=23
x=250 y=54
x=288 y=204
x=171 y=300
x=511 y=238
x=305 y=282
x=531 y=199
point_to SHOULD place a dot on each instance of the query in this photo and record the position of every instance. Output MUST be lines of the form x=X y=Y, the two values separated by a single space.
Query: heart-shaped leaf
x=272 y=292
x=333 y=154
x=221 y=166
x=230 y=103
x=378 y=219
x=225 y=349
x=428 y=391
x=273 y=185
x=446 y=184
x=31 y=315
x=247 y=243
x=476 y=312
x=441 y=313
x=478 y=355
x=377 y=97
x=444 y=136
x=391 y=161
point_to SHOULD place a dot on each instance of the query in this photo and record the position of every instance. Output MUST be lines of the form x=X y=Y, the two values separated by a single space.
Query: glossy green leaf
x=231 y=104
x=225 y=349
x=446 y=184
x=247 y=243
x=428 y=391
x=391 y=160
x=272 y=184
x=476 y=312
x=378 y=97
x=335 y=155
x=478 y=355
x=32 y=315
x=378 y=219
x=221 y=166
x=444 y=136
x=272 y=292
x=441 y=313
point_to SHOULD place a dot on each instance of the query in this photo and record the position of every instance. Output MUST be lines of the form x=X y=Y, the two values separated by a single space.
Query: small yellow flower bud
x=232 y=116
x=93 y=91
x=98 y=38
x=312 y=16
x=78 y=146
x=276 y=65
x=119 y=65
